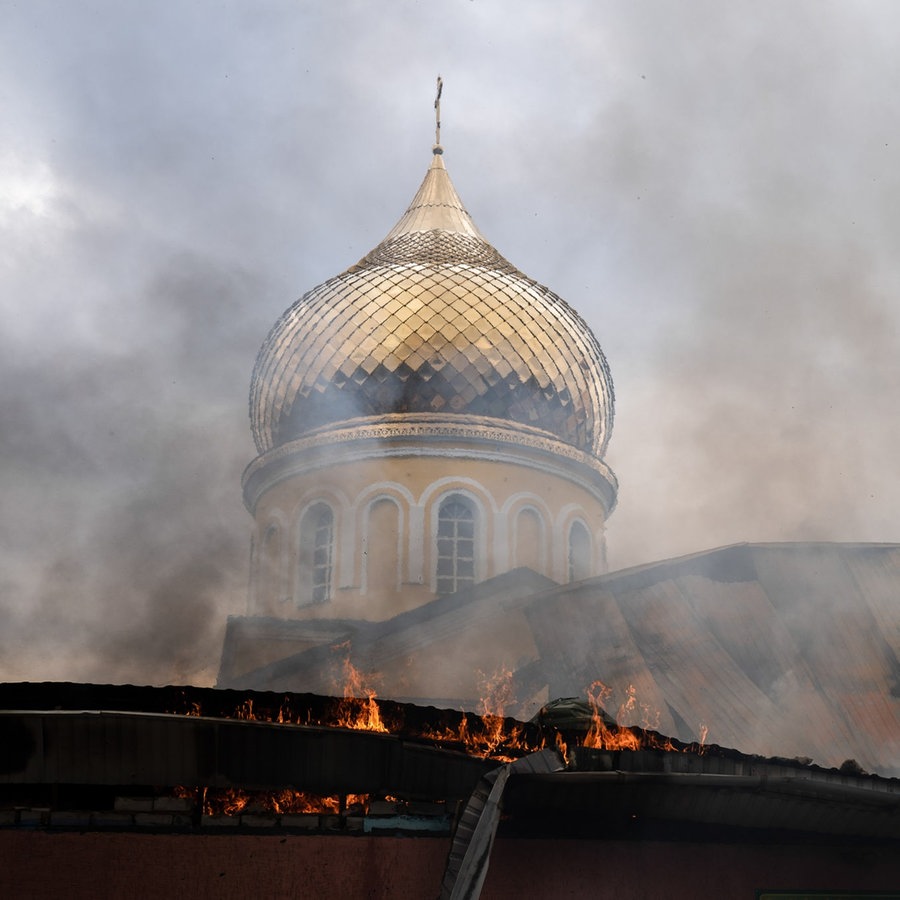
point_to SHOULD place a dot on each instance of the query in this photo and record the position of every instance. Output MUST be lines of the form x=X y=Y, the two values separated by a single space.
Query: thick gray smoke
x=715 y=192
x=126 y=538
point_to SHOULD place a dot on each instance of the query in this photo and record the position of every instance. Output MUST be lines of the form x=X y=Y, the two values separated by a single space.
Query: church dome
x=432 y=321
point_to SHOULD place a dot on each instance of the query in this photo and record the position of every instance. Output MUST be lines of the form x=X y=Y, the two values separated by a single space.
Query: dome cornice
x=449 y=436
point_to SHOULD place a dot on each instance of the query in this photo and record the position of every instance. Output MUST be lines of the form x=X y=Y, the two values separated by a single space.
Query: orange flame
x=562 y=748
x=700 y=746
x=234 y=802
x=488 y=735
x=498 y=695
x=603 y=735
x=359 y=709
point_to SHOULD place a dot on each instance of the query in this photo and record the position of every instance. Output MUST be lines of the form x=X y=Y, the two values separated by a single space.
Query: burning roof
x=194 y=738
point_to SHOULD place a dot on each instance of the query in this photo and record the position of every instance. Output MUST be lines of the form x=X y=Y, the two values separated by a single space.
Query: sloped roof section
x=781 y=649
x=419 y=636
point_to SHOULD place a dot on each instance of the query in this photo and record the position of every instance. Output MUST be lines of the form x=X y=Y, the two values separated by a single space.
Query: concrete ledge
x=302 y=821
x=172 y=804
x=219 y=821
x=35 y=817
x=430 y=824
x=111 y=820
x=154 y=820
x=133 y=804
x=70 y=819
x=259 y=821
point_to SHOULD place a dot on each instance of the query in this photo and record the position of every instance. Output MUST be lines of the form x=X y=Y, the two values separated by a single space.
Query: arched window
x=579 y=552
x=270 y=564
x=382 y=546
x=316 y=554
x=529 y=543
x=455 y=545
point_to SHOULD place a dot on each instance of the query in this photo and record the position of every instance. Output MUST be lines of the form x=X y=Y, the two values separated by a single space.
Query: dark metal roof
x=127 y=748
x=676 y=788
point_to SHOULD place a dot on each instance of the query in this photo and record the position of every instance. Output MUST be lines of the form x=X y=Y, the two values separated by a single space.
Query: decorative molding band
x=431 y=425
x=470 y=437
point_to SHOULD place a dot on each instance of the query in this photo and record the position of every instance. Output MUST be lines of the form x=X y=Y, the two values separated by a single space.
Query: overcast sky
x=715 y=187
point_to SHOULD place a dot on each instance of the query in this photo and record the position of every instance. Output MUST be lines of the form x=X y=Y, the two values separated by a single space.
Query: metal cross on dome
x=437 y=112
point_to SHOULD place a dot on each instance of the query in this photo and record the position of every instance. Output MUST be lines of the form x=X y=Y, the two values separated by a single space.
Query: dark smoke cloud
x=715 y=191
x=126 y=539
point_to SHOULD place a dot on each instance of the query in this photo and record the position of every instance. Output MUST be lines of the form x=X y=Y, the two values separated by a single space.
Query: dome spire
x=436 y=206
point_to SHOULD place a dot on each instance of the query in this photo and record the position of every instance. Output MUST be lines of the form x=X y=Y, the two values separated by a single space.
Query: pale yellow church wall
x=385 y=522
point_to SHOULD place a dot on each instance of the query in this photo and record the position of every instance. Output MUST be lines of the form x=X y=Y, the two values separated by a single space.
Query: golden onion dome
x=432 y=321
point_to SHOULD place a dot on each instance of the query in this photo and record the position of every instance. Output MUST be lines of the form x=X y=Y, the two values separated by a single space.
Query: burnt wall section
x=109 y=866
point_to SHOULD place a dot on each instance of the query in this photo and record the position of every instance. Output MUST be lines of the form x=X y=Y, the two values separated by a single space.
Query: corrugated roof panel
x=840 y=642
x=876 y=573
x=748 y=627
x=778 y=649
x=694 y=672
x=596 y=642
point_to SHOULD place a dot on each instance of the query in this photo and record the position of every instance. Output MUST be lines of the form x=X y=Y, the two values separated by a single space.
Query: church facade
x=430 y=501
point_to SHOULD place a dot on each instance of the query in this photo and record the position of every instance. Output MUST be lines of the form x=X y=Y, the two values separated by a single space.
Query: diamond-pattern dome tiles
x=432 y=320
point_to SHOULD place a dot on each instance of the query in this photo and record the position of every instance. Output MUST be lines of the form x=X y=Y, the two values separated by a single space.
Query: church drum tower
x=427 y=419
